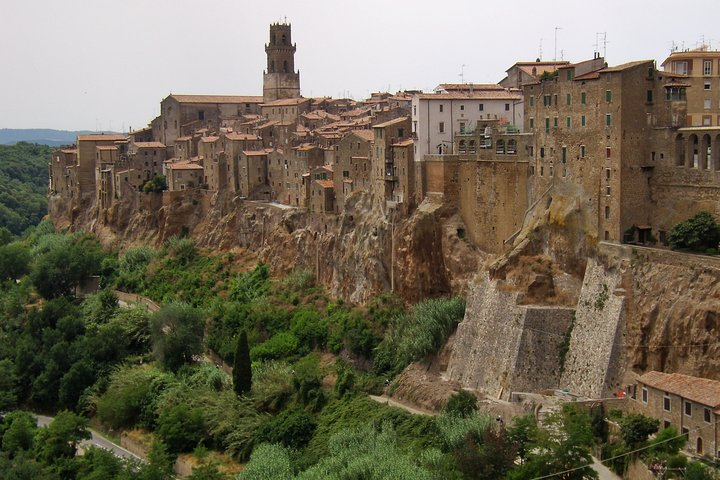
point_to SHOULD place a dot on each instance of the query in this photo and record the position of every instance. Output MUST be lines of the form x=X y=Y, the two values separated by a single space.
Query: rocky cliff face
x=358 y=254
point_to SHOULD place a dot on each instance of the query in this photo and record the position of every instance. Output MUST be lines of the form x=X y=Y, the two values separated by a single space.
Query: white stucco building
x=437 y=117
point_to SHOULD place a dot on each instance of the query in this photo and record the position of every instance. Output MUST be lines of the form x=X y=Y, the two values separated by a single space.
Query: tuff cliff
x=357 y=255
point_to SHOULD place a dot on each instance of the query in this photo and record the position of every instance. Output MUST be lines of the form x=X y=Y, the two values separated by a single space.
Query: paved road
x=96 y=440
x=604 y=473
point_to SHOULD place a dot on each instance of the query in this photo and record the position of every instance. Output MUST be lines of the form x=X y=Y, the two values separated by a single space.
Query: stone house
x=382 y=163
x=184 y=175
x=87 y=156
x=700 y=70
x=402 y=171
x=233 y=144
x=321 y=196
x=61 y=162
x=352 y=164
x=690 y=404
x=253 y=174
x=528 y=72
x=285 y=110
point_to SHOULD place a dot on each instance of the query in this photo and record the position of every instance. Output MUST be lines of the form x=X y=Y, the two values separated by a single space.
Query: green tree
x=207 y=472
x=521 y=434
x=181 y=428
x=14 y=261
x=177 y=333
x=462 y=403
x=698 y=471
x=697 y=233
x=20 y=433
x=64 y=265
x=635 y=429
x=268 y=462
x=61 y=437
x=160 y=463
x=8 y=385
x=156 y=184
x=242 y=368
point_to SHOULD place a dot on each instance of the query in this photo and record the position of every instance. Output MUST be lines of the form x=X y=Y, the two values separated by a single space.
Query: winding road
x=96 y=440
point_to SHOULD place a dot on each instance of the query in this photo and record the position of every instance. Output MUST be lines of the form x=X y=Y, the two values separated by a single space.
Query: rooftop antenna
x=602 y=35
x=555 y=52
x=462 y=73
x=562 y=55
x=540 y=50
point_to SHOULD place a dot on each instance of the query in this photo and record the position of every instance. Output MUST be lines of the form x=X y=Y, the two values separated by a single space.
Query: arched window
x=284 y=40
x=694 y=153
x=463 y=146
x=472 y=149
x=285 y=66
x=705 y=153
x=512 y=147
x=500 y=146
x=680 y=151
x=716 y=153
x=699 y=448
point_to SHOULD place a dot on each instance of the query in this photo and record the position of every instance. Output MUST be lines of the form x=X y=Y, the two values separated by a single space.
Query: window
x=707 y=67
x=441 y=127
x=608 y=152
x=569 y=75
x=607 y=174
x=507 y=107
x=568 y=98
x=685 y=432
x=568 y=122
x=482 y=107
x=532 y=100
x=201 y=114
x=607 y=213
x=608 y=119
x=707 y=104
x=582 y=151
x=607 y=190
x=649 y=96
x=547 y=124
x=462 y=108
x=462 y=127
x=547 y=100
x=414 y=110
x=608 y=96
x=555 y=97
x=644 y=394
x=532 y=122
x=582 y=121
x=688 y=408
x=707 y=85
x=564 y=154
x=607 y=235
x=666 y=403
x=707 y=415
x=555 y=122
x=583 y=98
x=441 y=108
x=542 y=152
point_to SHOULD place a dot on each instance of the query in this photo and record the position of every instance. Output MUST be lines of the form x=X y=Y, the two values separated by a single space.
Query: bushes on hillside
x=699 y=233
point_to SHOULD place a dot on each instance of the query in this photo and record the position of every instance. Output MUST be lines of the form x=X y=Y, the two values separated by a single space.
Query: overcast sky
x=101 y=64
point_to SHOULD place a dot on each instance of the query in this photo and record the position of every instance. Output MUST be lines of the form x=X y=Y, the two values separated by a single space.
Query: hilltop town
x=546 y=199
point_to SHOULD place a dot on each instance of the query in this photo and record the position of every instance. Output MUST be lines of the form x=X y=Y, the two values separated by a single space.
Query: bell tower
x=280 y=80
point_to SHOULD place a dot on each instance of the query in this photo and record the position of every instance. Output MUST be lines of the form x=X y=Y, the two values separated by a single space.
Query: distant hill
x=42 y=136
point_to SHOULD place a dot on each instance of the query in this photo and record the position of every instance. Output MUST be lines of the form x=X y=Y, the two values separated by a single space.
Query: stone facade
x=700 y=70
x=280 y=80
x=352 y=165
x=386 y=134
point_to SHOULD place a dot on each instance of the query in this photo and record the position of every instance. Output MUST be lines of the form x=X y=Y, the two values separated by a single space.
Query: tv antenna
x=540 y=50
x=598 y=36
x=462 y=73
x=555 y=52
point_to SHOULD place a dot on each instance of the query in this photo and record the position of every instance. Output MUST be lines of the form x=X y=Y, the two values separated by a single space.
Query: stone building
x=382 y=162
x=437 y=117
x=253 y=174
x=701 y=69
x=183 y=175
x=182 y=115
x=285 y=110
x=602 y=131
x=352 y=165
x=690 y=404
x=402 y=170
x=528 y=72
x=280 y=80
x=87 y=156
x=233 y=144
x=62 y=163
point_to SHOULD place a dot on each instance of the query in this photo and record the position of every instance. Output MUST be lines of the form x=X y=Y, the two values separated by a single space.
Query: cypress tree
x=242 y=371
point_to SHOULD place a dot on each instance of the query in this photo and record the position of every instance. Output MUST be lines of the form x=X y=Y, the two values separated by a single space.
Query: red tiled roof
x=254 y=153
x=183 y=139
x=106 y=148
x=454 y=87
x=366 y=135
x=403 y=143
x=325 y=183
x=700 y=390
x=216 y=99
x=394 y=121
x=209 y=139
x=286 y=102
x=184 y=165
x=69 y=150
x=149 y=144
x=474 y=95
x=241 y=136
x=100 y=137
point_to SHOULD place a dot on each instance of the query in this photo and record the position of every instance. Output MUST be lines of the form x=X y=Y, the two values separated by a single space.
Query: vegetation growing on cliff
x=699 y=233
x=23 y=185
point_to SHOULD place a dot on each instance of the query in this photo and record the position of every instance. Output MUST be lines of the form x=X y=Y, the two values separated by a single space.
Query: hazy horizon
x=106 y=65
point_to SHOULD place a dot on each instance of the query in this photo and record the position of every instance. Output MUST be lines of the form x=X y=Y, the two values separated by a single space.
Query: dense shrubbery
x=23 y=185
x=699 y=233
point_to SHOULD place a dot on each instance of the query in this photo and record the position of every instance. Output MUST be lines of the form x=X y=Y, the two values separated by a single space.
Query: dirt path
x=394 y=403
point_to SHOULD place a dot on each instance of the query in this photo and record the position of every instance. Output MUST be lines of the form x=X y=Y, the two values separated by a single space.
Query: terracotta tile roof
x=184 y=165
x=209 y=139
x=150 y=144
x=474 y=95
x=700 y=390
x=305 y=147
x=286 y=102
x=216 y=99
x=100 y=137
x=69 y=150
x=462 y=87
x=254 y=153
x=241 y=136
x=106 y=148
x=366 y=135
x=325 y=183
x=183 y=139
x=588 y=76
x=389 y=123
x=625 y=66
x=403 y=143
x=267 y=124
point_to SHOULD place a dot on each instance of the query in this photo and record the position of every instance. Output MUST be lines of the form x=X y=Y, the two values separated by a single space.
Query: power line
x=627 y=453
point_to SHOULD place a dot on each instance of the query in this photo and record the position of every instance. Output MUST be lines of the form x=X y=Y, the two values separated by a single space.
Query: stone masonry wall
x=502 y=347
x=593 y=364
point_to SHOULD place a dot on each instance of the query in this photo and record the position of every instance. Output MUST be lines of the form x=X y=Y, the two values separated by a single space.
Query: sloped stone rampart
x=501 y=347
x=594 y=362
